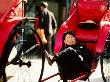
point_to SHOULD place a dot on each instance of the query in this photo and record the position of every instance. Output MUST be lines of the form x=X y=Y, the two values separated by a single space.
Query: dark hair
x=68 y=32
x=63 y=37
x=44 y=4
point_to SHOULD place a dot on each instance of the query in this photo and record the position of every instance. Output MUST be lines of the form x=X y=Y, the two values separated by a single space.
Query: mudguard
x=5 y=30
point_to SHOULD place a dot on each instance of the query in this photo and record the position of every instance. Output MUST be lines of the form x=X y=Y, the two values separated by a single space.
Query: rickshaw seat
x=87 y=31
x=87 y=35
x=90 y=13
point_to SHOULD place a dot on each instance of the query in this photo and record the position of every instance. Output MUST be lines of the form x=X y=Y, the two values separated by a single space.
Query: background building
x=59 y=7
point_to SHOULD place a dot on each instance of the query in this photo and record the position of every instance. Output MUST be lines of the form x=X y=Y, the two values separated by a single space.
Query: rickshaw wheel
x=105 y=61
x=22 y=62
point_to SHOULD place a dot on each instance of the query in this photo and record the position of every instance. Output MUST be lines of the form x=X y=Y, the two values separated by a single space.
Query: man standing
x=47 y=22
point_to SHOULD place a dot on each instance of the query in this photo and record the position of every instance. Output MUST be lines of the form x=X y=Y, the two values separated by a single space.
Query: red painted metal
x=80 y=12
x=95 y=38
x=10 y=15
x=43 y=80
x=105 y=27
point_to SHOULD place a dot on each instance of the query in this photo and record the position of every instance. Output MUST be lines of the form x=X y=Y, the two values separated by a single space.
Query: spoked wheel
x=105 y=61
x=23 y=57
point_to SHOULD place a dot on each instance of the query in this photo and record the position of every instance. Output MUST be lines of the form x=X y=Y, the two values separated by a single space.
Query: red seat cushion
x=87 y=35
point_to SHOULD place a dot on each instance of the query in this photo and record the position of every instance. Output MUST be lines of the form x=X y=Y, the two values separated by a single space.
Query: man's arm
x=54 y=24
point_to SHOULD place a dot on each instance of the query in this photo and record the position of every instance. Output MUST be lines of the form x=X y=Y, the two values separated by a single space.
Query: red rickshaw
x=18 y=41
x=14 y=37
x=90 y=20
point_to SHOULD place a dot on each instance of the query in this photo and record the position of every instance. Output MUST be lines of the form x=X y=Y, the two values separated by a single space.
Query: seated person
x=73 y=57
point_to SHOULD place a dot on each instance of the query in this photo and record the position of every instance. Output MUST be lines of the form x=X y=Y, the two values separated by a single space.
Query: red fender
x=105 y=27
x=5 y=7
x=5 y=29
x=102 y=39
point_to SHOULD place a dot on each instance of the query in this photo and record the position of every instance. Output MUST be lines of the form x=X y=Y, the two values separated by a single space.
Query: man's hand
x=48 y=57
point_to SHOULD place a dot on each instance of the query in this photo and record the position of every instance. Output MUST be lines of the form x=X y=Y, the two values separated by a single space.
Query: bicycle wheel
x=105 y=61
x=21 y=59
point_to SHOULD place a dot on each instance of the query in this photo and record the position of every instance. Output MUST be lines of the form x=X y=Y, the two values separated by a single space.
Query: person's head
x=69 y=38
x=43 y=6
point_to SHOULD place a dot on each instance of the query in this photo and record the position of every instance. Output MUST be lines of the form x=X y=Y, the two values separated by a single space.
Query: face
x=42 y=8
x=70 y=40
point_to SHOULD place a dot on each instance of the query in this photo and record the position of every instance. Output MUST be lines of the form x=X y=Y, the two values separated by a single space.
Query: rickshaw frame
x=97 y=39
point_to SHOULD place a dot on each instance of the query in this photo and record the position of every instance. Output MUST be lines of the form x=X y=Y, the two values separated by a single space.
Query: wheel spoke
x=22 y=62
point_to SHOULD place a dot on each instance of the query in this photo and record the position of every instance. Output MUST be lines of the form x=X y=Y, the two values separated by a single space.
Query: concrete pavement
x=31 y=76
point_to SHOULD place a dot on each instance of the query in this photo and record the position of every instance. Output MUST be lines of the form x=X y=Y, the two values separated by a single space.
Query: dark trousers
x=48 y=46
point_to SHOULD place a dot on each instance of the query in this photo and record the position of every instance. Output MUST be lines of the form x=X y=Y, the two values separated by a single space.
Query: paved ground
x=25 y=74
x=49 y=70
x=95 y=76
